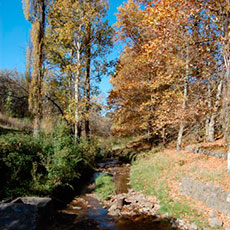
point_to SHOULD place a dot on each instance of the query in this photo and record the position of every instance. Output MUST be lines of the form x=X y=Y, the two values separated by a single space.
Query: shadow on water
x=86 y=212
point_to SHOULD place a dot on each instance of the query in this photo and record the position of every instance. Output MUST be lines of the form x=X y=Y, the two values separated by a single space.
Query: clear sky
x=14 y=34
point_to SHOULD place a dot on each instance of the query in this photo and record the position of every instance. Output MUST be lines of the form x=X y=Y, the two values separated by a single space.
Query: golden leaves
x=26 y=8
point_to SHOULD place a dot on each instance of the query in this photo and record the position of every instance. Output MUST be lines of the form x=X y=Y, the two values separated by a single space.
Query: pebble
x=215 y=222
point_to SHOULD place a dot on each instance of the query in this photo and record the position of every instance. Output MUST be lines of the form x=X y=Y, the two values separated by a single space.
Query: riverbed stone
x=134 y=203
x=114 y=210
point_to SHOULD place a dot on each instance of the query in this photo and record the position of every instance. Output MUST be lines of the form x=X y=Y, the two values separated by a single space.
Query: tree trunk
x=210 y=133
x=208 y=117
x=77 y=132
x=37 y=125
x=87 y=82
x=226 y=55
x=184 y=105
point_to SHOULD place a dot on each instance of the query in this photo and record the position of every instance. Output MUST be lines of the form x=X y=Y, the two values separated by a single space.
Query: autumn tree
x=169 y=76
x=157 y=64
x=78 y=41
x=35 y=12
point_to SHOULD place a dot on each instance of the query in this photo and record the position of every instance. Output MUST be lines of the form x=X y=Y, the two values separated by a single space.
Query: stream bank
x=126 y=210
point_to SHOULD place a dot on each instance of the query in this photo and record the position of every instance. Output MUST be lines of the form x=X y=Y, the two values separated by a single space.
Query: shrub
x=17 y=154
x=39 y=165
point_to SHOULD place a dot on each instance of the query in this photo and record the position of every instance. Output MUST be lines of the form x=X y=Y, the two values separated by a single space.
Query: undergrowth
x=38 y=166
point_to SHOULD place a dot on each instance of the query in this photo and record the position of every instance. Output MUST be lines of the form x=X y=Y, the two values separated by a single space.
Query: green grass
x=150 y=175
x=105 y=187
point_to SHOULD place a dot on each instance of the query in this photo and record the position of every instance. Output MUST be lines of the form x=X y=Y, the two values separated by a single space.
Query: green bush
x=17 y=154
x=39 y=165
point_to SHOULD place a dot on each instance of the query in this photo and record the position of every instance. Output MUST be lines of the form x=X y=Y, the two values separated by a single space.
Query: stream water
x=86 y=212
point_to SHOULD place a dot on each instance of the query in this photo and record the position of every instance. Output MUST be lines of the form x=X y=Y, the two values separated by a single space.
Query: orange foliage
x=149 y=79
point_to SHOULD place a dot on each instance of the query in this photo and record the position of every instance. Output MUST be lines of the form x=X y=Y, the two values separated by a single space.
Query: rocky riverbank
x=135 y=205
x=126 y=210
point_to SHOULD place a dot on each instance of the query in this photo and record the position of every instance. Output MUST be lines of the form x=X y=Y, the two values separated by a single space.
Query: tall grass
x=21 y=124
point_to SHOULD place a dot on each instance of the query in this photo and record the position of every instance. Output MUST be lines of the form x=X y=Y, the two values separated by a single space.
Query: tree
x=171 y=57
x=153 y=43
x=13 y=94
x=35 y=12
x=78 y=41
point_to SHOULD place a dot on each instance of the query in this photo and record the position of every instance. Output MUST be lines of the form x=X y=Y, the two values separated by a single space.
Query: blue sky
x=14 y=34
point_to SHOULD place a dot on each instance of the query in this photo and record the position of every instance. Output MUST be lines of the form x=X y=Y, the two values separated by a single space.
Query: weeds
x=105 y=187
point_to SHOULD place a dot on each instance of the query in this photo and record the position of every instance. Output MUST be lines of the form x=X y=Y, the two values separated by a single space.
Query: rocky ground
x=136 y=205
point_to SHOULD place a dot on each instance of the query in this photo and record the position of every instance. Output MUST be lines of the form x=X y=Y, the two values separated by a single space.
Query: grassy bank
x=161 y=173
x=105 y=187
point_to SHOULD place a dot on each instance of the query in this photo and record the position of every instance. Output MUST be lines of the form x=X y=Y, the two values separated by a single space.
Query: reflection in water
x=87 y=213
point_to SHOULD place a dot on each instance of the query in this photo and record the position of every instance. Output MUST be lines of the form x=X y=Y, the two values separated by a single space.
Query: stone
x=189 y=148
x=26 y=213
x=114 y=210
x=193 y=226
x=213 y=214
x=228 y=198
x=17 y=217
x=213 y=196
x=120 y=203
x=215 y=222
x=165 y=215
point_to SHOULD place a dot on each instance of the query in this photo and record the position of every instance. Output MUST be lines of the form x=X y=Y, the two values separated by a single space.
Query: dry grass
x=10 y=122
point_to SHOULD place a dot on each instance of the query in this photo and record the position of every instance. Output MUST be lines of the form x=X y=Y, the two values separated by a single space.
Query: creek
x=87 y=212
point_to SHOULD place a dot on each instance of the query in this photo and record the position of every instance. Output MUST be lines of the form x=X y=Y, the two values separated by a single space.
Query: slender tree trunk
x=226 y=55
x=227 y=108
x=77 y=93
x=184 y=105
x=87 y=82
x=210 y=133
x=208 y=117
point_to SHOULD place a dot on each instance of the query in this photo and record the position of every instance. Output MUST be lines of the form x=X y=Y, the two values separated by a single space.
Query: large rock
x=27 y=213
x=213 y=196
x=200 y=150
